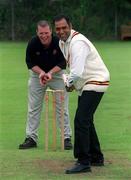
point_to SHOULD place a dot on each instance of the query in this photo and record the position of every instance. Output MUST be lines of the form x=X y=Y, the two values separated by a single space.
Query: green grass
x=113 y=120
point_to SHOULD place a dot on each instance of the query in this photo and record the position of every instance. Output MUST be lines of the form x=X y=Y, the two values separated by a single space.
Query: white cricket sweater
x=87 y=69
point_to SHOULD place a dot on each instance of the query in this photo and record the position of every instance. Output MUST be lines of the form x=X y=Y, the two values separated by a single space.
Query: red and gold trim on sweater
x=104 y=83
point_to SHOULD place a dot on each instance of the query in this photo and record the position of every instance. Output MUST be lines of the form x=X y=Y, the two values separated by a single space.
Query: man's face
x=63 y=29
x=45 y=35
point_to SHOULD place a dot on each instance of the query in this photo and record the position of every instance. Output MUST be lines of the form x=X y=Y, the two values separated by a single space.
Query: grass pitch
x=112 y=119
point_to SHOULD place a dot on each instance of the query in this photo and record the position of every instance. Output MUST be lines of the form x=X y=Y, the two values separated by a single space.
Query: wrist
x=42 y=72
x=69 y=83
x=51 y=72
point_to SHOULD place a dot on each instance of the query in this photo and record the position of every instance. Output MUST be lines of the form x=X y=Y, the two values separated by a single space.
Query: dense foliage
x=98 y=19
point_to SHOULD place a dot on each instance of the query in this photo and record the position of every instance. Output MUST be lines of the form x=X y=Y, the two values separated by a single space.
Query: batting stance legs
x=36 y=98
x=87 y=147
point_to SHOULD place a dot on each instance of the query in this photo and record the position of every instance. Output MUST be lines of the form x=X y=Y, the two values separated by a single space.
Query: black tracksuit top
x=45 y=58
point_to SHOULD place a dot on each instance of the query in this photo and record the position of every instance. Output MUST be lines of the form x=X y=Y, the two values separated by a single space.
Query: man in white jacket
x=90 y=77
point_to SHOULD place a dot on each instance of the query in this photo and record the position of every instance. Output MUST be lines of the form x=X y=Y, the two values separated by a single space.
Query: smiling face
x=44 y=34
x=63 y=29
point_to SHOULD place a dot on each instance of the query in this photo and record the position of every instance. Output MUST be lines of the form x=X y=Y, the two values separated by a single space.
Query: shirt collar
x=69 y=38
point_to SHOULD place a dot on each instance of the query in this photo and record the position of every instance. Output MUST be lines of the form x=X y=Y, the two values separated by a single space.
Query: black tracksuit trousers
x=86 y=145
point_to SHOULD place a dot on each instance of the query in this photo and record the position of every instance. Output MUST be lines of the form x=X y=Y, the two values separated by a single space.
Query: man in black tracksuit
x=43 y=57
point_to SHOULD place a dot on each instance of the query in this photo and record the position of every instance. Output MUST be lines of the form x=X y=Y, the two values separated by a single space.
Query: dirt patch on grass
x=58 y=166
x=114 y=167
x=55 y=166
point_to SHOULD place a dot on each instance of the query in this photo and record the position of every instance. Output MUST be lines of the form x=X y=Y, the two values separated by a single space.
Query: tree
x=11 y=4
x=96 y=19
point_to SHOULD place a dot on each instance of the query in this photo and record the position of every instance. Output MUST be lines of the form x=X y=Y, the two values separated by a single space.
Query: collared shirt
x=45 y=58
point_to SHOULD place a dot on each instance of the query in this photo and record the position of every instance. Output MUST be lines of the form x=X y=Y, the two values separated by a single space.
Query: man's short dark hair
x=43 y=23
x=61 y=16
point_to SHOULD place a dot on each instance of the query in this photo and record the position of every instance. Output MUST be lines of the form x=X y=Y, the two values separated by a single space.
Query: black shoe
x=28 y=143
x=78 y=168
x=67 y=144
x=97 y=161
